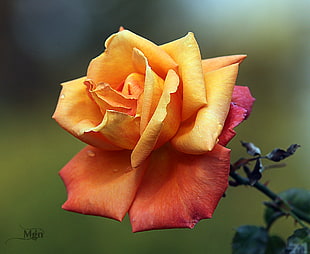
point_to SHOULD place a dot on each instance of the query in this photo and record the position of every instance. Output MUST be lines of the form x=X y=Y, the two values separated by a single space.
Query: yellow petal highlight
x=212 y=64
x=115 y=63
x=186 y=53
x=199 y=135
x=120 y=129
x=76 y=111
x=163 y=124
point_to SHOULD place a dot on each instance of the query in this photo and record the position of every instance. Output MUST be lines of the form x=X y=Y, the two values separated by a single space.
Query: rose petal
x=115 y=64
x=199 y=135
x=108 y=98
x=100 y=183
x=139 y=60
x=186 y=53
x=120 y=129
x=179 y=189
x=173 y=111
x=240 y=109
x=235 y=116
x=76 y=112
x=243 y=98
x=153 y=88
x=215 y=63
x=133 y=85
x=164 y=123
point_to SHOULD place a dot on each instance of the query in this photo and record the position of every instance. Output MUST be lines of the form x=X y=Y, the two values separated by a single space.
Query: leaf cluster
x=256 y=240
x=293 y=202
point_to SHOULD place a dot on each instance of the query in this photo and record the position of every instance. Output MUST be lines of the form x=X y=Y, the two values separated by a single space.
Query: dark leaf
x=276 y=245
x=256 y=174
x=296 y=198
x=251 y=148
x=250 y=239
x=299 y=242
x=279 y=154
x=292 y=148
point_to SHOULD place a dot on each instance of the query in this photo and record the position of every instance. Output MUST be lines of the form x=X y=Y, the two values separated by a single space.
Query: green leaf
x=271 y=214
x=299 y=242
x=250 y=239
x=296 y=198
x=275 y=245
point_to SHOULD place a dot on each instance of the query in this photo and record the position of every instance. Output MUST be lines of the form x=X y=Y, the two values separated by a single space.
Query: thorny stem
x=298 y=215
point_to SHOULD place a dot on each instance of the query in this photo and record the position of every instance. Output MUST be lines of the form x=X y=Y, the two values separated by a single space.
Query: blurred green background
x=44 y=43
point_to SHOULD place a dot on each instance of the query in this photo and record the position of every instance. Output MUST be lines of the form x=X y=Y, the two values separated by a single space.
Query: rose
x=156 y=119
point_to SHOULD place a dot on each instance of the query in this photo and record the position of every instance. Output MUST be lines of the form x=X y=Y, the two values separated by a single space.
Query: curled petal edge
x=161 y=126
x=76 y=112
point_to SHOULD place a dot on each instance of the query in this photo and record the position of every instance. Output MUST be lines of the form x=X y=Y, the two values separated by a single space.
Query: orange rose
x=156 y=119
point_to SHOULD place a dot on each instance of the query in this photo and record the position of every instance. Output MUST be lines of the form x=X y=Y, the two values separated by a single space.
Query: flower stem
x=298 y=215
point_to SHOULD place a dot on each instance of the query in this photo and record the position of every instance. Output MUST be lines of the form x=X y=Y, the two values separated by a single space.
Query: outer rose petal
x=100 y=183
x=243 y=98
x=179 y=189
x=163 y=124
x=235 y=116
x=115 y=64
x=186 y=53
x=212 y=64
x=76 y=112
x=197 y=136
x=240 y=109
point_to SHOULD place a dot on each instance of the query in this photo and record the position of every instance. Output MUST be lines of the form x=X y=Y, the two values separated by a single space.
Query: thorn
x=266 y=183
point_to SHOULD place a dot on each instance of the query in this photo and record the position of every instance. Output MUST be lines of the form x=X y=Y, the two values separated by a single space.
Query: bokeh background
x=44 y=43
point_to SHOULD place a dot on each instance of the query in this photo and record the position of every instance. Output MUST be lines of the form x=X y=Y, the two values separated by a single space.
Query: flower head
x=156 y=120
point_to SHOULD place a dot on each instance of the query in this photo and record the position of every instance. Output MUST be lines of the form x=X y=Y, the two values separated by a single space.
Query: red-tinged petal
x=115 y=64
x=76 y=112
x=120 y=129
x=186 y=53
x=240 y=109
x=235 y=116
x=164 y=122
x=100 y=183
x=243 y=98
x=199 y=135
x=212 y=64
x=179 y=189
